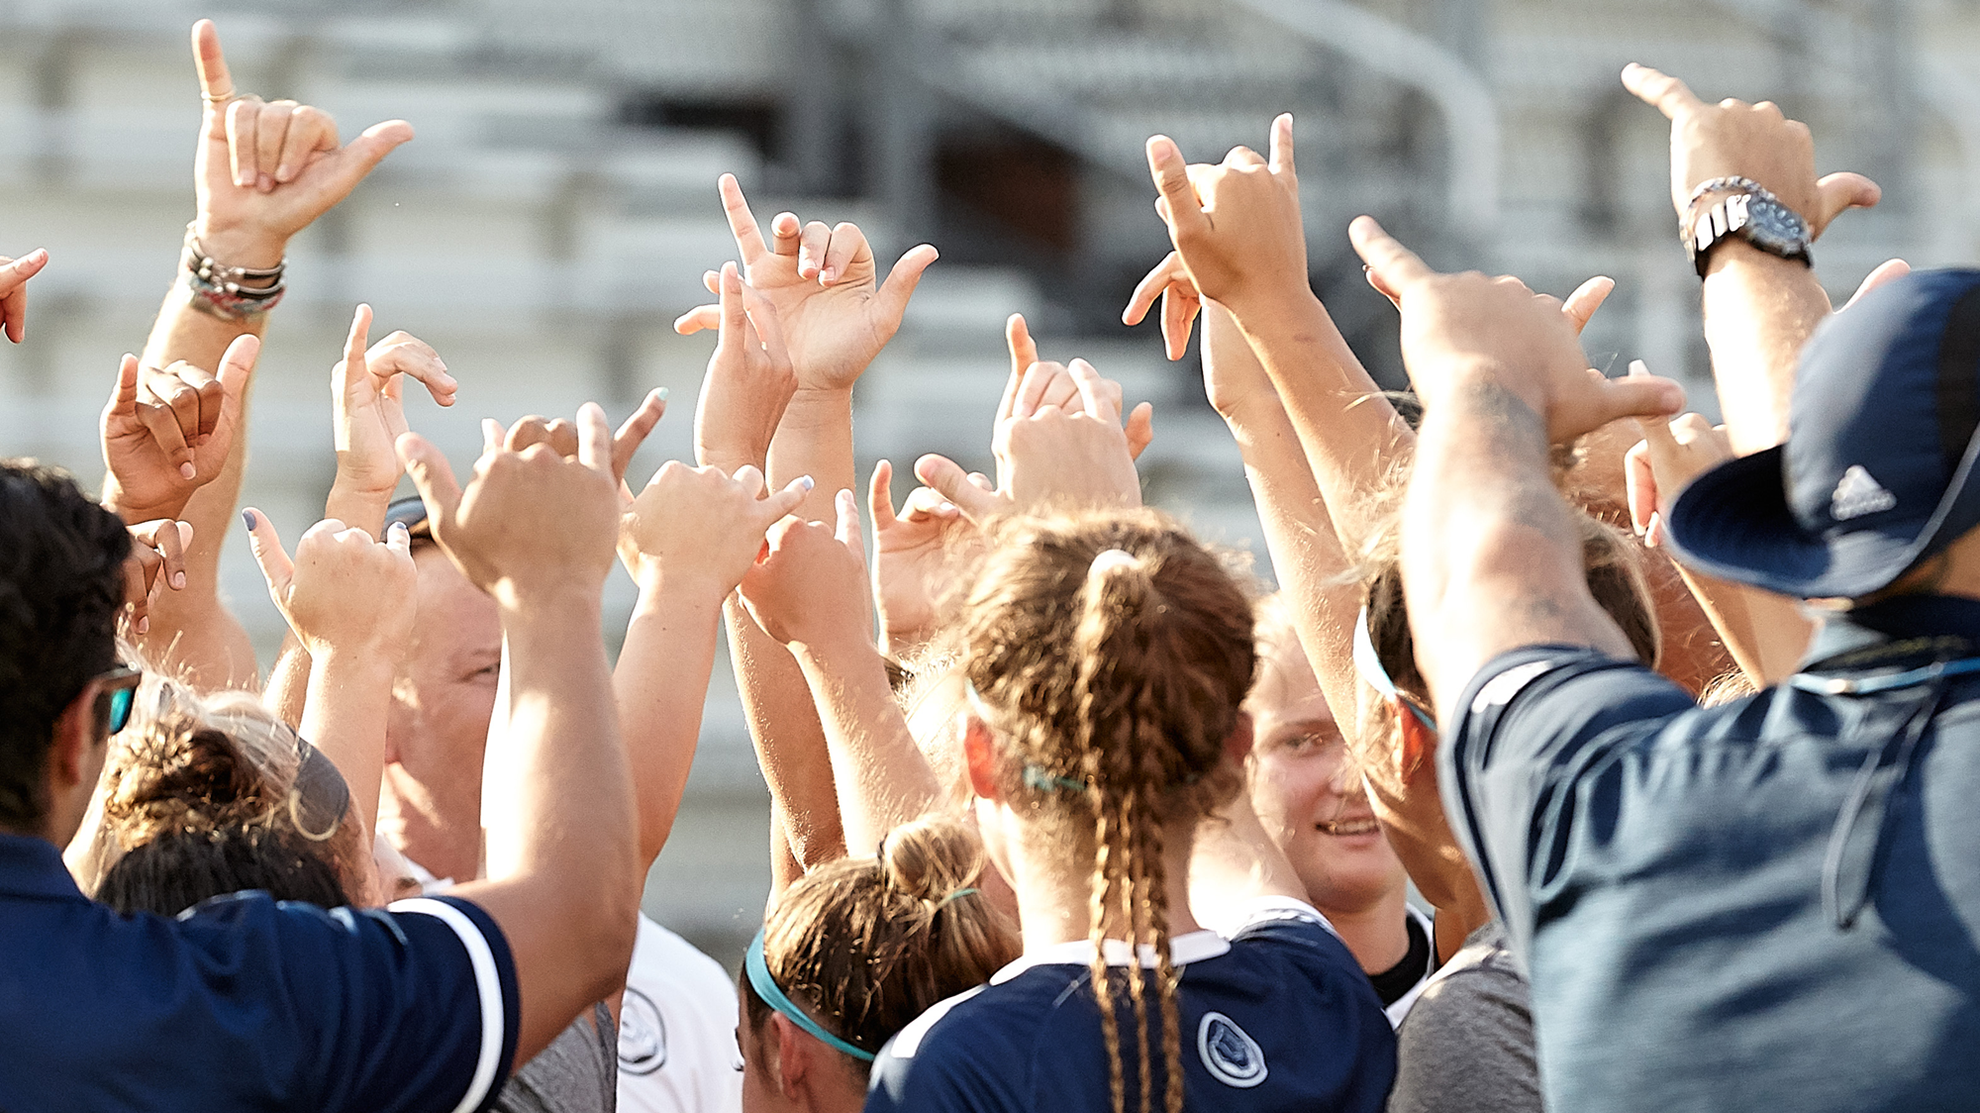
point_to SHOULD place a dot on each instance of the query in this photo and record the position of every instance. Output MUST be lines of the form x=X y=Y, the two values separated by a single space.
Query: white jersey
x=677 y=1029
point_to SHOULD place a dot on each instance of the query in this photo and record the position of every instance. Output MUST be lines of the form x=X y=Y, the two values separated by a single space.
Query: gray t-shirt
x=1467 y=1045
x=577 y=1073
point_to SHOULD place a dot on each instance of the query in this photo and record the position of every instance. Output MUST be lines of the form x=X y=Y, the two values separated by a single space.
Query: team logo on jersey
x=642 y=1035
x=1229 y=1053
x=1857 y=494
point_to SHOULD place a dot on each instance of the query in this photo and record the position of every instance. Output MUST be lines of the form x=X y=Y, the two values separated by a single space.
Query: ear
x=1238 y=746
x=788 y=1061
x=75 y=743
x=980 y=753
x=1419 y=742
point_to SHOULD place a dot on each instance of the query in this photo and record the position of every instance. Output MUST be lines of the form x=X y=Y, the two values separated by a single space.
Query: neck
x=1055 y=904
x=1377 y=934
x=443 y=837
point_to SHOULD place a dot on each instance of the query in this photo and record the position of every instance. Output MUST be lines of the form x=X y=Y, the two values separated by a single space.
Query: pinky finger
x=700 y=318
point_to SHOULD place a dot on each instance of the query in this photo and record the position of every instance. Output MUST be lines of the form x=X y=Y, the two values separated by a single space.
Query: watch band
x=1750 y=212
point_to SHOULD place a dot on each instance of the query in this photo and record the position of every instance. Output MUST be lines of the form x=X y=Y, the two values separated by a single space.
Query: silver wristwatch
x=1754 y=215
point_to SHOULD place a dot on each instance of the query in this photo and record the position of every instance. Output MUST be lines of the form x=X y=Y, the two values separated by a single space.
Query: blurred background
x=558 y=208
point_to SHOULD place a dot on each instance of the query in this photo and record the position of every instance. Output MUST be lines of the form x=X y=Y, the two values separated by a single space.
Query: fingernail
x=829 y=274
x=187 y=471
x=398 y=529
x=663 y=393
x=808 y=482
x=248 y=517
x=144 y=624
x=947 y=508
x=178 y=580
x=283 y=173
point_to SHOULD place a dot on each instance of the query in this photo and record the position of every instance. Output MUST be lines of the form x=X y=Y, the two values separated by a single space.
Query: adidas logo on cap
x=1858 y=494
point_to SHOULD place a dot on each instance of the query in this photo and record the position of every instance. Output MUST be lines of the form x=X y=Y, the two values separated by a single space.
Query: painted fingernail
x=144 y=624
x=248 y=517
x=187 y=471
x=808 y=482
x=663 y=393
x=398 y=530
x=178 y=581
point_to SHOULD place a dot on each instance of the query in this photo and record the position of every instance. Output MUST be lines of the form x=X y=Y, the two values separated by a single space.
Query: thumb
x=894 y=293
x=276 y=567
x=880 y=496
x=1171 y=174
x=948 y=477
x=434 y=479
x=237 y=366
x=1887 y=271
x=123 y=396
x=1841 y=191
x=783 y=503
x=1140 y=429
x=362 y=154
x=1640 y=484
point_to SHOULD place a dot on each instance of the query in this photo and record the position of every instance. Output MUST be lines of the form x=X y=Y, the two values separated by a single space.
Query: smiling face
x=1306 y=792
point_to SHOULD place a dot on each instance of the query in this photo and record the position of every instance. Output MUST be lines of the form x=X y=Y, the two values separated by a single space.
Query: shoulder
x=957 y=1054
x=1555 y=693
x=1468 y=1043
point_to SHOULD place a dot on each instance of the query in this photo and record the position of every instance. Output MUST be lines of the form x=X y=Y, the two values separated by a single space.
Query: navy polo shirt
x=1771 y=904
x=1277 y=1017
x=245 y=1003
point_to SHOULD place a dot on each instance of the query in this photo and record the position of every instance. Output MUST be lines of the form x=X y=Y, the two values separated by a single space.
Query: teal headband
x=1369 y=665
x=766 y=987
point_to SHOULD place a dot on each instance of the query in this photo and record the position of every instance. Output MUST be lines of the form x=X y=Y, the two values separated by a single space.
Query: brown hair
x=866 y=945
x=1615 y=579
x=1111 y=653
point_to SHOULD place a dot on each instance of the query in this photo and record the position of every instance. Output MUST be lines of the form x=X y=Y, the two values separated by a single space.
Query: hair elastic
x=1109 y=559
x=760 y=980
x=1369 y=665
x=1036 y=776
x=958 y=893
x=319 y=797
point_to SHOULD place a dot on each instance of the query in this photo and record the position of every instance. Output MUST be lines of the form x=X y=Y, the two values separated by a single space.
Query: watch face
x=1773 y=227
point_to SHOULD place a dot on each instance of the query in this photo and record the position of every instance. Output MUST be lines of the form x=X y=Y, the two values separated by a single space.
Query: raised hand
x=343 y=592
x=699 y=529
x=1052 y=385
x=562 y=436
x=158 y=559
x=367 y=396
x=749 y=383
x=14 y=274
x=1661 y=465
x=810 y=589
x=532 y=525
x=823 y=284
x=1235 y=225
x=264 y=171
x=1458 y=326
x=1049 y=454
x=161 y=447
x=1734 y=138
x=911 y=552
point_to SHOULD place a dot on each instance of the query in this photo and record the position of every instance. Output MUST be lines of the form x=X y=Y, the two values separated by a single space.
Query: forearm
x=661 y=685
x=344 y=713
x=1767 y=634
x=1307 y=557
x=815 y=438
x=1491 y=556
x=790 y=741
x=287 y=691
x=1759 y=310
x=1350 y=434
x=881 y=776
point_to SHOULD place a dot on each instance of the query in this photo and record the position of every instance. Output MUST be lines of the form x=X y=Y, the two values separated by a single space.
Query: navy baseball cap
x=1877 y=471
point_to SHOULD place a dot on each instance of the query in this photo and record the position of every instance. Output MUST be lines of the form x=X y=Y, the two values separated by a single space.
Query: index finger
x=1281 y=160
x=742 y=223
x=1586 y=299
x=355 y=344
x=1389 y=262
x=215 y=83
x=880 y=495
x=1655 y=87
x=1024 y=353
x=1093 y=392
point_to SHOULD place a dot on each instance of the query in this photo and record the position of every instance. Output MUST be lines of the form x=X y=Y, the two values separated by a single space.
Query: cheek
x=1283 y=791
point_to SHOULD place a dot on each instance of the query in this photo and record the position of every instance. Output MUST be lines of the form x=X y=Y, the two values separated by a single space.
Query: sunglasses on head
x=118 y=689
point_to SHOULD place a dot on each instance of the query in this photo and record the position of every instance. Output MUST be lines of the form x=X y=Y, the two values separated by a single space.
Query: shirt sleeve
x=411 y=1008
x=1537 y=729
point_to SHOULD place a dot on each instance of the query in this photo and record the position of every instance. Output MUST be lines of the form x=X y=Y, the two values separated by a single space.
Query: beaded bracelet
x=218 y=289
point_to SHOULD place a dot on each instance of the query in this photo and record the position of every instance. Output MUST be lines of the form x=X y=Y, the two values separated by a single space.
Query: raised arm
x=809 y=594
x=349 y=600
x=823 y=283
x=536 y=530
x=1492 y=560
x=261 y=173
x=1759 y=308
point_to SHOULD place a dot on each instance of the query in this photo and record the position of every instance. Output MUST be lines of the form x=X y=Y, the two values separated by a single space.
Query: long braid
x=1127 y=741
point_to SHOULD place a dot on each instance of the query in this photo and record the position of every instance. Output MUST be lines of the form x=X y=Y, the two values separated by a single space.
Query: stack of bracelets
x=217 y=289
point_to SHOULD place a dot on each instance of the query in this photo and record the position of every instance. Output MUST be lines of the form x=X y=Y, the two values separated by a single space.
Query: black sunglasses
x=119 y=690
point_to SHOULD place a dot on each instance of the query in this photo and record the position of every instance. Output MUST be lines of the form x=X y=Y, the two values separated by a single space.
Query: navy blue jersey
x=1277 y=1017
x=245 y=1003
x=1771 y=904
